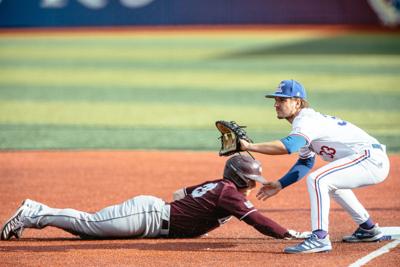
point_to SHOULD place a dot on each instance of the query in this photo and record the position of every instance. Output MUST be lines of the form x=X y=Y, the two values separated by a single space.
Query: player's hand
x=244 y=145
x=268 y=190
x=297 y=235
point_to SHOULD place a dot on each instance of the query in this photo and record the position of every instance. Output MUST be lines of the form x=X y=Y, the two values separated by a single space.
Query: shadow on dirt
x=332 y=209
x=164 y=246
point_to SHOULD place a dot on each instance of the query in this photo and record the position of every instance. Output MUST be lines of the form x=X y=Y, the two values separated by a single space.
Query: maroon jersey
x=208 y=205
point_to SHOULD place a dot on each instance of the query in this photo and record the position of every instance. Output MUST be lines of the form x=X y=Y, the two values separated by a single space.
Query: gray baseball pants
x=139 y=217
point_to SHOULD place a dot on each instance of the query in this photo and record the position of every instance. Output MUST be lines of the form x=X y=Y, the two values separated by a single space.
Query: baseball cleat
x=312 y=244
x=363 y=235
x=14 y=226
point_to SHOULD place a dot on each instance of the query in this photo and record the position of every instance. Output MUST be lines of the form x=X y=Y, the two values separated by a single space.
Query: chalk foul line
x=385 y=249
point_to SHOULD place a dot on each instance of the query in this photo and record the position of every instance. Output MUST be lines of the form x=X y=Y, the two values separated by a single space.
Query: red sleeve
x=265 y=225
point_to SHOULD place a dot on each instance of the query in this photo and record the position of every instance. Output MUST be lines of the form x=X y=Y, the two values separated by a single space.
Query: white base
x=393 y=231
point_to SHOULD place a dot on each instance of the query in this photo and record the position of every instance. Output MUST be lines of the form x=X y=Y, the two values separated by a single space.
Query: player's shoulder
x=227 y=182
x=221 y=183
x=305 y=115
x=222 y=188
x=228 y=187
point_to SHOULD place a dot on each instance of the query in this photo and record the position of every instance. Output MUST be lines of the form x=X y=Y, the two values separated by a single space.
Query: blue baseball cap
x=289 y=88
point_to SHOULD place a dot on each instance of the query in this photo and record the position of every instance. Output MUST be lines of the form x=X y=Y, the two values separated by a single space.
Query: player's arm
x=275 y=147
x=235 y=203
x=179 y=194
x=183 y=192
x=298 y=171
x=266 y=226
x=292 y=143
x=269 y=227
x=287 y=145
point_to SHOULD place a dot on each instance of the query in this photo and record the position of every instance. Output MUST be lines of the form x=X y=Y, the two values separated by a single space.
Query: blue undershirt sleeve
x=293 y=143
x=298 y=171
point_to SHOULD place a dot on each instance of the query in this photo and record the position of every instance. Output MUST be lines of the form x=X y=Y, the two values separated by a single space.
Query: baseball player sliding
x=195 y=211
x=355 y=159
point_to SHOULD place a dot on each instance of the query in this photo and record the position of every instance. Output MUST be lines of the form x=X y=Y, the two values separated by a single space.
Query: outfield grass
x=149 y=91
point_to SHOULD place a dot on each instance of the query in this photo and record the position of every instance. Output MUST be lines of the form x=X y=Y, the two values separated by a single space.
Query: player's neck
x=245 y=191
x=291 y=118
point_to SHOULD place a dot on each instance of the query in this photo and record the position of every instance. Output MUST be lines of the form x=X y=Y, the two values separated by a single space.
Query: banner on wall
x=94 y=4
x=75 y=13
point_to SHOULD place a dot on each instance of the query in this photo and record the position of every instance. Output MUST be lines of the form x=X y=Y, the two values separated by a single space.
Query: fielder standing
x=355 y=159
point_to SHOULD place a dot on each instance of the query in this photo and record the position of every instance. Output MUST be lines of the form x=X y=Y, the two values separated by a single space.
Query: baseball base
x=390 y=232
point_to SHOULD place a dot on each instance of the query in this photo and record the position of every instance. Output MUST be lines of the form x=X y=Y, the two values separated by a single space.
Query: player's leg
x=378 y=166
x=320 y=206
x=350 y=172
x=367 y=168
x=354 y=171
x=136 y=217
x=323 y=181
x=349 y=202
x=367 y=231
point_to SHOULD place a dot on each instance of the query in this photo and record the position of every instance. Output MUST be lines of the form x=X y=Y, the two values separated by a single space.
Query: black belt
x=164 y=231
x=165 y=216
x=165 y=225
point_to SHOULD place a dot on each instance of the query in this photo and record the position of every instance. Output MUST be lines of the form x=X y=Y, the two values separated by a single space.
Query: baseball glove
x=231 y=133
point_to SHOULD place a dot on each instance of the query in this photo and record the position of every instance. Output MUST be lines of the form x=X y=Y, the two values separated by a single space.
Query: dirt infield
x=215 y=30
x=91 y=180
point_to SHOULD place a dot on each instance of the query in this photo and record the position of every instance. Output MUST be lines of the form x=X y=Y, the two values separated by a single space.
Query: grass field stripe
x=221 y=79
x=153 y=82
x=385 y=249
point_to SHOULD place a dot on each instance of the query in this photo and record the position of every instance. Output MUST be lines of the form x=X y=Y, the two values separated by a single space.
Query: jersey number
x=201 y=190
x=340 y=122
x=329 y=151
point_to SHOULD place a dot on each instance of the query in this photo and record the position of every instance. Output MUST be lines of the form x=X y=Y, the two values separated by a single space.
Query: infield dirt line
x=216 y=30
x=385 y=249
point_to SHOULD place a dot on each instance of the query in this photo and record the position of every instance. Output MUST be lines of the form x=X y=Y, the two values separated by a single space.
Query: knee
x=314 y=181
x=311 y=179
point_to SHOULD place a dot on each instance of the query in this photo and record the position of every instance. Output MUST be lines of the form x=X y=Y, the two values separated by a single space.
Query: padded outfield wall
x=67 y=13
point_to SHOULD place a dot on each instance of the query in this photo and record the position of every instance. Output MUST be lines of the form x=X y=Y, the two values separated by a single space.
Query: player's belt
x=165 y=220
x=377 y=146
x=165 y=225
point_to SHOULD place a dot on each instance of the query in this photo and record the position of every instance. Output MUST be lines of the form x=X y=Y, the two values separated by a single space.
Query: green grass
x=135 y=91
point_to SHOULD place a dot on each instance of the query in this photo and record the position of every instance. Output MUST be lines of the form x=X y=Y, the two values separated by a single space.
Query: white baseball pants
x=337 y=178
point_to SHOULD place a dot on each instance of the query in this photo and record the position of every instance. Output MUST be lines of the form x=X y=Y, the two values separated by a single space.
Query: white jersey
x=328 y=136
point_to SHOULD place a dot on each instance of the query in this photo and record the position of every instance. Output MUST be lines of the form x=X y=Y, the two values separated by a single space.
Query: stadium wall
x=73 y=13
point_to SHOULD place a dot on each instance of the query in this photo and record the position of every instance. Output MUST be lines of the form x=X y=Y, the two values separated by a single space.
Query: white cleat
x=14 y=226
x=312 y=244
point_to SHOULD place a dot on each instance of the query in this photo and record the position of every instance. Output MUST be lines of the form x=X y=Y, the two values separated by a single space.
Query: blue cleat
x=363 y=235
x=312 y=244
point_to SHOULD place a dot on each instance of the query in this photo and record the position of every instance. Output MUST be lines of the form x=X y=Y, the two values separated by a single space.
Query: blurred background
x=153 y=74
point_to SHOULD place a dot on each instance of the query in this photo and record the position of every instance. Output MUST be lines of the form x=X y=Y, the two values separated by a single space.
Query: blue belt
x=377 y=146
